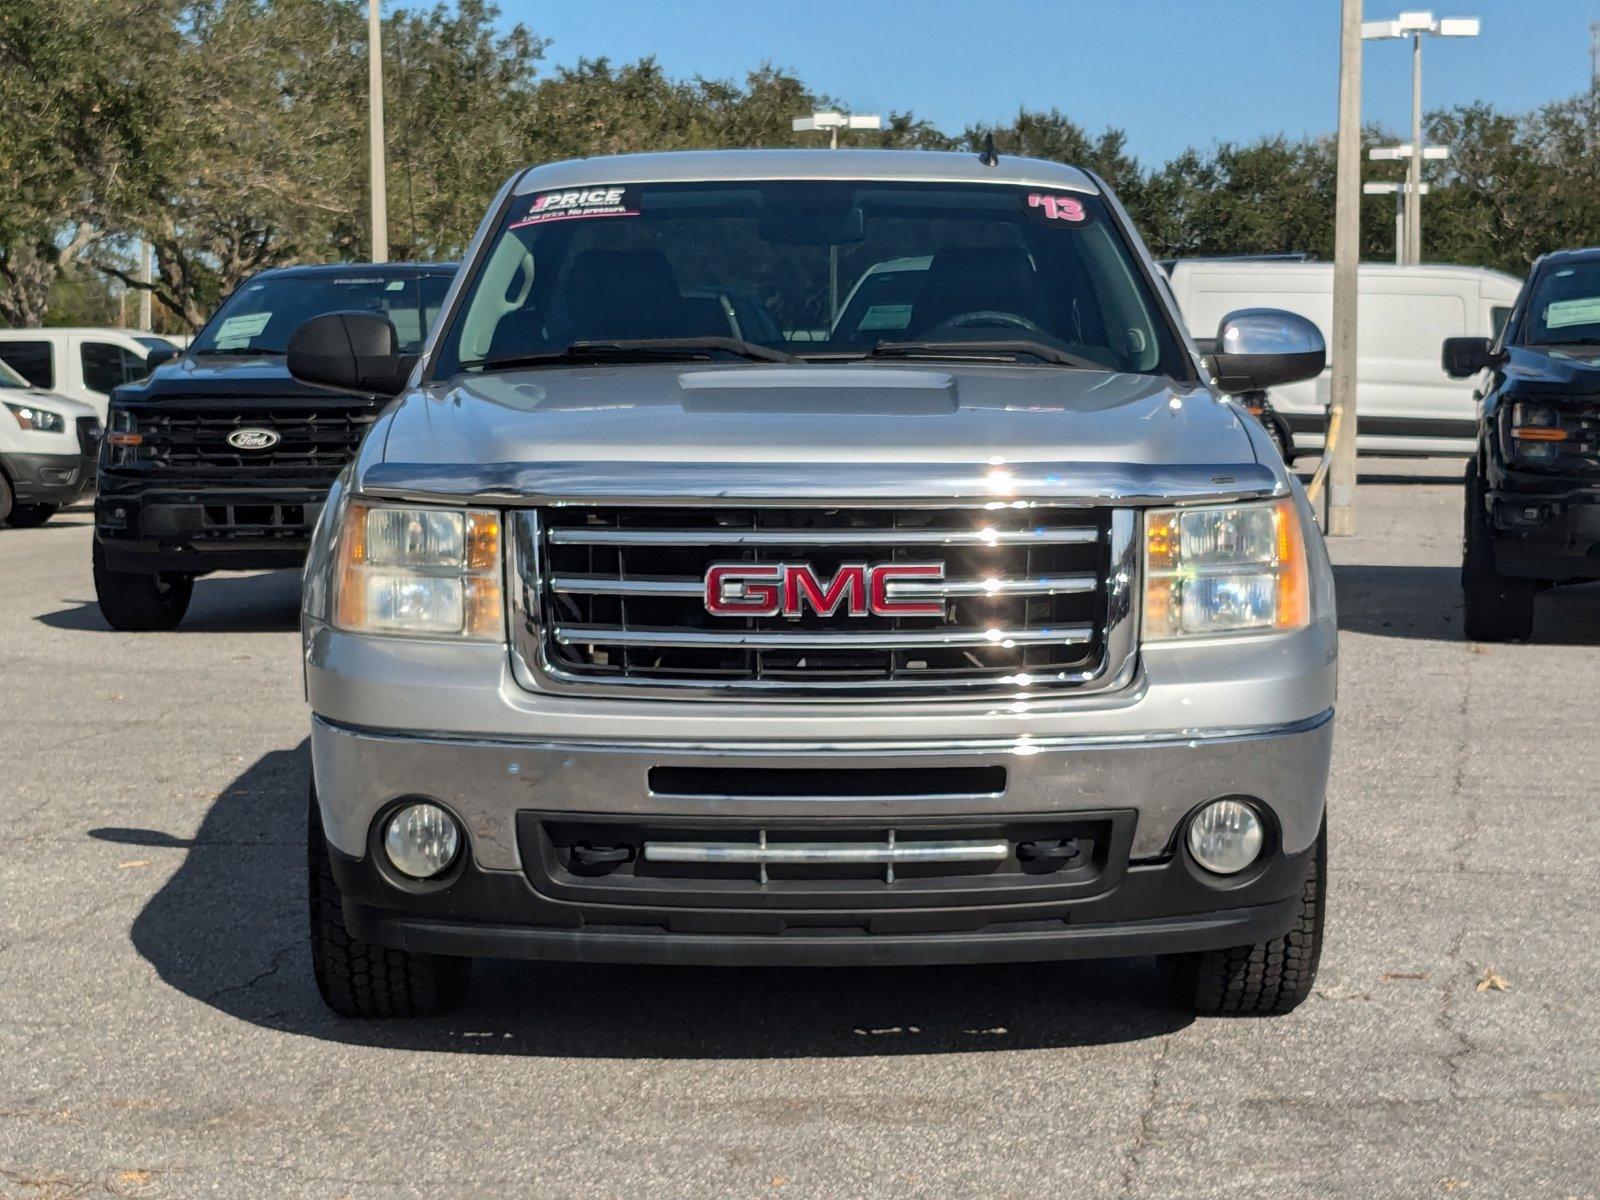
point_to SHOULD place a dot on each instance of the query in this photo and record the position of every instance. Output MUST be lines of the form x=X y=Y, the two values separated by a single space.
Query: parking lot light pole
x=379 y=188
x=833 y=122
x=1402 y=192
x=1398 y=191
x=1339 y=450
x=1415 y=25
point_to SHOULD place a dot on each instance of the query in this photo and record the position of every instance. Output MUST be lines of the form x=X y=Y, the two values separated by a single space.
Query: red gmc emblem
x=742 y=589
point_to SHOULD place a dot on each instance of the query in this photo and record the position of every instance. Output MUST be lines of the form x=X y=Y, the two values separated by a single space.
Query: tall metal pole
x=379 y=188
x=1414 y=173
x=1400 y=247
x=145 y=272
x=1340 y=518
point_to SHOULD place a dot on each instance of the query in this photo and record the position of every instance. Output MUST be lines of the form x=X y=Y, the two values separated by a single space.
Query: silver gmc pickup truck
x=832 y=558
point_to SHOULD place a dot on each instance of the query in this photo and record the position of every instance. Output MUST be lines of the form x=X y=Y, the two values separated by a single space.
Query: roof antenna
x=990 y=156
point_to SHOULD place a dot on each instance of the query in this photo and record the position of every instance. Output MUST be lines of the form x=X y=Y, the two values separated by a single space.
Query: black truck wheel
x=1268 y=977
x=137 y=602
x=1496 y=609
x=29 y=516
x=360 y=979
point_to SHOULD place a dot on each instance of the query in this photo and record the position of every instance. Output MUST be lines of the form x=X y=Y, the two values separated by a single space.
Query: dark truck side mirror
x=160 y=356
x=350 y=352
x=1463 y=357
x=1260 y=348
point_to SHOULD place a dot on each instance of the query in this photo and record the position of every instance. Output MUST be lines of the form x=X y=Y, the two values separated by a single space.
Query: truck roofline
x=878 y=166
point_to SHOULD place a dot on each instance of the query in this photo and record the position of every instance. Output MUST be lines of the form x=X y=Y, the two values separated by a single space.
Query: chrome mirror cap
x=1259 y=348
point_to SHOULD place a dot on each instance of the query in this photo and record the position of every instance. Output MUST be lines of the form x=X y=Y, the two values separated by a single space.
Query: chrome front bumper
x=486 y=782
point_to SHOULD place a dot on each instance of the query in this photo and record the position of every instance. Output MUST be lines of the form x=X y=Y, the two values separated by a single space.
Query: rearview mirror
x=1463 y=357
x=350 y=352
x=1260 y=348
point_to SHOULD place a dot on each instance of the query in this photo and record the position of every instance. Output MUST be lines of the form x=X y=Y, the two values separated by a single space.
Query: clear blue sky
x=1170 y=72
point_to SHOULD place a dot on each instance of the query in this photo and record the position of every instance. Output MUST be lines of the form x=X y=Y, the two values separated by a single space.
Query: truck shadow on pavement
x=1425 y=603
x=263 y=603
x=229 y=930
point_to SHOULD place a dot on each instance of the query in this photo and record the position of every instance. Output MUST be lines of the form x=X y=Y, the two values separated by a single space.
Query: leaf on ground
x=1393 y=976
x=1491 y=981
x=133 y=862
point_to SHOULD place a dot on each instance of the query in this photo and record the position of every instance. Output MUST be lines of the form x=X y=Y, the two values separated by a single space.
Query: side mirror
x=1260 y=348
x=160 y=356
x=1464 y=357
x=350 y=352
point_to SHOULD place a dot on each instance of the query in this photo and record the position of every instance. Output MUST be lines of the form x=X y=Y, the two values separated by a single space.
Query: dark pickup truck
x=220 y=461
x=1533 y=488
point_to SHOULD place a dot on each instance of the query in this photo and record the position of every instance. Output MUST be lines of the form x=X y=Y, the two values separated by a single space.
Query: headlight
x=37 y=420
x=1536 y=431
x=1225 y=569
x=429 y=572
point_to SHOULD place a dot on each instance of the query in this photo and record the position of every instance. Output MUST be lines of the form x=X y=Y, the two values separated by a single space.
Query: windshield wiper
x=244 y=351
x=994 y=349
x=636 y=350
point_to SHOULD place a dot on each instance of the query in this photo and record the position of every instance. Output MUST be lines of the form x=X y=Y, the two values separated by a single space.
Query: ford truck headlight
x=37 y=420
x=420 y=572
x=1225 y=569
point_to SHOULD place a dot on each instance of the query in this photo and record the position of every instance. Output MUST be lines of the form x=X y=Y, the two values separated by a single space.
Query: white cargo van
x=84 y=364
x=1407 y=404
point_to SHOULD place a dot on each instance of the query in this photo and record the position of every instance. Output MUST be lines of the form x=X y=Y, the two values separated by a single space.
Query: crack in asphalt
x=1134 y=1156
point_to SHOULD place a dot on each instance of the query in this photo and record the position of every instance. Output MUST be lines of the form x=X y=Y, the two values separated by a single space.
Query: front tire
x=1495 y=608
x=1267 y=978
x=31 y=516
x=138 y=602
x=358 y=978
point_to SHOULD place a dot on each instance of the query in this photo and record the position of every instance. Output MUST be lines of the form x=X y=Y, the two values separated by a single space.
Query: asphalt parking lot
x=160 y=1033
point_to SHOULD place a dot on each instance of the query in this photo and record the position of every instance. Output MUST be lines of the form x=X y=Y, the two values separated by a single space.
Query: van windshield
x=260 y=316
x=811 y=269
x=1564 y=309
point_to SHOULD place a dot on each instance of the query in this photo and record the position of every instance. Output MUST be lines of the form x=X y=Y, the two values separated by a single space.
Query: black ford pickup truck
x=1533 y=488
x=220 y=461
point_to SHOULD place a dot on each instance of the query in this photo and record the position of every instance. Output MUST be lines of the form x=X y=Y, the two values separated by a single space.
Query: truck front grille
x=1028 y=597
x=315 y=441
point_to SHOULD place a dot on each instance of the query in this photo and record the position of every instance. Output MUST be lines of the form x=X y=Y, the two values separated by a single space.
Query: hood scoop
x=883 y=391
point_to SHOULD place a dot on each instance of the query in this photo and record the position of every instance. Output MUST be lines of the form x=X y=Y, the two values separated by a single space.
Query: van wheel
x=30 y=516
x=135 y=601
x=1266 y=978
x=7 y=498
x=1283 y=443
x=360 y=979
x=1496 y=609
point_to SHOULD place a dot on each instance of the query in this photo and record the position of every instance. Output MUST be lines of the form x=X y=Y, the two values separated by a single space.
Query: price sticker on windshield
x=577 y=205
x=1054 y=209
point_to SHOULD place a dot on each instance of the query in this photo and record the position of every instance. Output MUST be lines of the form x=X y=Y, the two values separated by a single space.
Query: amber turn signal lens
x=1536 y=433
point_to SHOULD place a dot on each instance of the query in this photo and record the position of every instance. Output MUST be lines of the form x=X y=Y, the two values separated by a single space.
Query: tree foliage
x=231 y=135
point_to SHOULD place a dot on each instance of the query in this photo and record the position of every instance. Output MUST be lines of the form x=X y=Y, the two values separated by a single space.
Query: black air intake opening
x=831 y=782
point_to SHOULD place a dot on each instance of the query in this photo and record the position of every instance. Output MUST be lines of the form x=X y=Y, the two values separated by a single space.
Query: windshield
x=813 y=269
x=1565 y=307
x=10 y=379
x=260 y=316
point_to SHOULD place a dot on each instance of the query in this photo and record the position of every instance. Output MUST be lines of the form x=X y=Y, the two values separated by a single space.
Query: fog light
x=1225 y=836
x=422 y=840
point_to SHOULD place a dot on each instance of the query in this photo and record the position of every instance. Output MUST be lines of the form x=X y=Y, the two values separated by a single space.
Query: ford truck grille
x=1028 y=597
x=312 y=441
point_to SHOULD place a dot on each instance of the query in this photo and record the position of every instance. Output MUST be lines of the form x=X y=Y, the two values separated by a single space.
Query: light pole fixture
x=835 y=121
x=1416 y=25
x=1402 y=191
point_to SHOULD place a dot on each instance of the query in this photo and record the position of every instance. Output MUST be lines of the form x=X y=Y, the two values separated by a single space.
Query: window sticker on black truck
x=579 y=204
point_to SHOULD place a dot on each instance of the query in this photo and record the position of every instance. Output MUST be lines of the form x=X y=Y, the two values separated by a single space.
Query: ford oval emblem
x=253 y=439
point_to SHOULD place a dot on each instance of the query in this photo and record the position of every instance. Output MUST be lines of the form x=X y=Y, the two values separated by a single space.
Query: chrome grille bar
x=1068 y=535
x=891 y=851
x=1058 y=585
x=735 y=639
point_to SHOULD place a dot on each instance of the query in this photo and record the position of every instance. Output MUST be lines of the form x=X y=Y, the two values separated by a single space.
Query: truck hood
x=1559 y=372
x=222 y=377
x=814 y=414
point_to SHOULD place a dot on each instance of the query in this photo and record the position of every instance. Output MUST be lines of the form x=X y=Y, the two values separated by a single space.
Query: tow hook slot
x=600 y=858
x=1049 y=850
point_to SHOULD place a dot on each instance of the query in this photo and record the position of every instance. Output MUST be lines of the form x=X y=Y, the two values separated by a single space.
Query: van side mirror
x=1464 y=357
x=1260 y=348
x=350 y=352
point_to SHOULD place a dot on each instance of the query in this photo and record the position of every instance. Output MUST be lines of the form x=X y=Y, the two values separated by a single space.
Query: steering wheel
x=987 y=317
